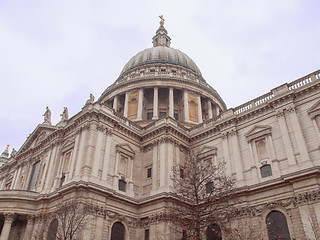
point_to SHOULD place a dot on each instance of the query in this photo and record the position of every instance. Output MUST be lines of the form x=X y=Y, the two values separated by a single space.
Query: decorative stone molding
x=104 y=129
x=9 y=217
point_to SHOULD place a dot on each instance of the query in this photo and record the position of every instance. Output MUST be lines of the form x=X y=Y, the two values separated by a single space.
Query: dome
x=161 y=54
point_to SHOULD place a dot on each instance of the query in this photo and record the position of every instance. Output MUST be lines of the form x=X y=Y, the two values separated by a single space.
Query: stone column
x=217 y=110
x=209 y=109
x=171 y=103
x=125 y=111
x=199 y=109
x=155 y=104
x=286 y=138
x=8 y=219
x=29 y=228
x=140 y=105
x=115 y=103
x=185 y=104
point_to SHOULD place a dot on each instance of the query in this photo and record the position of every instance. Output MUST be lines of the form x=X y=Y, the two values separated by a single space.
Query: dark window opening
x=149 y=172
x=266 y=171
x=122 y=185
x=209 y=187
x=184 y=235
x=181 y=173
x=162 y=114
x=149 y=115
x=146 y=234
x=118 y=231
x=176 y=116
x=277 y=226
x=214 y=232
x=62 y=179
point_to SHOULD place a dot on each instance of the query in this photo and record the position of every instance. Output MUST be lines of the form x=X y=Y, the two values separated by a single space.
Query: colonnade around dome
x=147 y=104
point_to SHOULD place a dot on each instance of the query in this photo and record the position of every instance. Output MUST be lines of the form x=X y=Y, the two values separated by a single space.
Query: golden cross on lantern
x=162 y=20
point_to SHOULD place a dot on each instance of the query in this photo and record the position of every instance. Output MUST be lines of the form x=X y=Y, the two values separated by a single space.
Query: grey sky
x=55 y=53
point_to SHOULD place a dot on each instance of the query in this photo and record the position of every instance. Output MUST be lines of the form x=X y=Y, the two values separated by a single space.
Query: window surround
x=124 y=151
x=254 y=136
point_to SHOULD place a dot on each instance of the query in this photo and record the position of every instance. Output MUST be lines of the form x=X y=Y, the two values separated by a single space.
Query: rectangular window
x=33 y=176
x=209 y=187
x=149 y=172
x=266 y=171
x=162 y=114
x=122 y=185
x=181 y=173
x=176 y=116
x=146 y=234
x=62 y=179
x=149 y=115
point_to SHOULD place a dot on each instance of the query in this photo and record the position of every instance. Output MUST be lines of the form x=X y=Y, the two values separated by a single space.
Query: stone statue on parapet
x=47 y=116
x=64 y=114
x=13 y=153
x=90 y=100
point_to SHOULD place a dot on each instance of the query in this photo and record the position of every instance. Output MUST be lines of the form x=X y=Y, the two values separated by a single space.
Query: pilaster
x=304 y=155
x=286 y=138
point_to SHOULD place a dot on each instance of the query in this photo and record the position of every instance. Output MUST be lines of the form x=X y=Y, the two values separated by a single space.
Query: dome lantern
x=161 y=38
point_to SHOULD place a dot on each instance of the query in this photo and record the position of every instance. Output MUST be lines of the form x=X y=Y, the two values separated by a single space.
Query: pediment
x=67 y=144
x=258 y=131
x=207 y=151
x=314 y=110
x=40 y=133
x=125 y=148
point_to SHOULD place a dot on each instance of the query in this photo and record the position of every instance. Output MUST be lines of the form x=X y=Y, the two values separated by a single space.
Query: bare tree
x=69 y=218
x=202 y=191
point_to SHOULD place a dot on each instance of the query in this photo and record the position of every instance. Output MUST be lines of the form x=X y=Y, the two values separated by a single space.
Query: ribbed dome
x=161 y=54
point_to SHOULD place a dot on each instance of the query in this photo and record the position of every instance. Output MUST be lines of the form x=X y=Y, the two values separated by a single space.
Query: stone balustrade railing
x=286 y=87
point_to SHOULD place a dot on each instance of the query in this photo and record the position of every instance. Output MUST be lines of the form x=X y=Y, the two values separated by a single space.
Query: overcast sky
x=55 y=53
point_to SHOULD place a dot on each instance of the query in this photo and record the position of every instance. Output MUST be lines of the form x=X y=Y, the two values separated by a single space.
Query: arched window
x=277 y=226
x=118 y=231
x=52 y=231
x=214 y=232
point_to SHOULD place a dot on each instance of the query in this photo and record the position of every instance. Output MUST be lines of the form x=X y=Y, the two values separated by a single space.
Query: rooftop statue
x=47 y=116
x=64 y=114
x=90 y=100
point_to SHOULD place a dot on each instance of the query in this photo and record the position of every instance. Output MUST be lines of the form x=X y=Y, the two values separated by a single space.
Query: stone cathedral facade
x=117 y=154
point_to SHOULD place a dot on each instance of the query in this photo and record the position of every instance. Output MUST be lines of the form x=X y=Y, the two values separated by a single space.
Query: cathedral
x=118 y=152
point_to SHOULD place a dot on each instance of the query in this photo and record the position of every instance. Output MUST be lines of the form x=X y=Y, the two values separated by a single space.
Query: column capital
x=8 y=217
